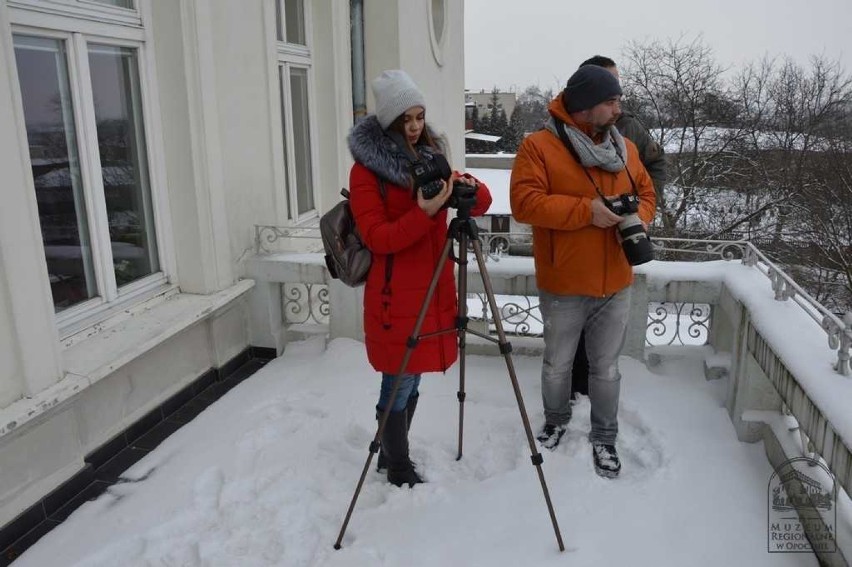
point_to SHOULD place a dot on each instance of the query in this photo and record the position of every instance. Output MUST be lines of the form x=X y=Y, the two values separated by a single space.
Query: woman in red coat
x=406 y=232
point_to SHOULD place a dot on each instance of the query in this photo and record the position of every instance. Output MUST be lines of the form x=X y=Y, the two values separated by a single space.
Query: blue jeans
x=408 y=388
x=604 y=320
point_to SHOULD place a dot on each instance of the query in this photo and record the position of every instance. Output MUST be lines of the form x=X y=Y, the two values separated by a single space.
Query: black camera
x=634 y=239
x=624 y=204
x=429 y=174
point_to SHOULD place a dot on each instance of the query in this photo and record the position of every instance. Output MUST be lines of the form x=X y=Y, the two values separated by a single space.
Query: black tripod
x=463 y=230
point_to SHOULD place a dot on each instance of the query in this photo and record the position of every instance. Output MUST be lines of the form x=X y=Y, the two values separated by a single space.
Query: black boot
x=395 y=446
x=382 y=462
x=412 y=405
x=607 y=463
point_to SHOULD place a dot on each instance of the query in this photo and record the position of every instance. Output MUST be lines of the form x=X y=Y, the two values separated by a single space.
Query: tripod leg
x=461 y=322
x=506 y=349
x=412 y=342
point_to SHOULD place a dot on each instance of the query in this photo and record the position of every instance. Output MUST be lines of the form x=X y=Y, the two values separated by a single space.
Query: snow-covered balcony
x=264 y=476
x=778 y=361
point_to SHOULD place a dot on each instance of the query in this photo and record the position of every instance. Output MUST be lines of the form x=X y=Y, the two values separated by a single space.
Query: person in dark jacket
x=406 y=234
x=653 y=157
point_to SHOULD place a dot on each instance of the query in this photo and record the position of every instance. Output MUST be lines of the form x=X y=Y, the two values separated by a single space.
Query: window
x=291 y=21
x=295 y=86
x=438 y=20
x=118 y=3
x=437 y=12
x=84 y=117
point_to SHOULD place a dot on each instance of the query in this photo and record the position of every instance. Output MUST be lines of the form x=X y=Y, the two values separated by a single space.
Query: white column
x=637 y=323
x=347 y=311
x=266 y=318
x=30 y=320
x=206 y=152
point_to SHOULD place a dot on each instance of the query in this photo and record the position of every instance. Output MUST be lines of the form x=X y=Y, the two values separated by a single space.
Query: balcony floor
x=264 y=477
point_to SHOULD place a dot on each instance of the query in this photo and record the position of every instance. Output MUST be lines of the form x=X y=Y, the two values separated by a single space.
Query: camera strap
x=560 y=130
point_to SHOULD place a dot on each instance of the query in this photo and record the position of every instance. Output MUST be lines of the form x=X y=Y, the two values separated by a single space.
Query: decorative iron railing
x=678 y=323
x=519 y=314
x=305 y=304
x=838 y=330
x=265 y=236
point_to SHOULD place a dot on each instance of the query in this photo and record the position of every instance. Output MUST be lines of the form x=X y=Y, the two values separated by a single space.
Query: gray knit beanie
x=395 y=93
x=588 y=86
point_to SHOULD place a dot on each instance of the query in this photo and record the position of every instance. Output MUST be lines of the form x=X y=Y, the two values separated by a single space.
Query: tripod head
x=463 y=224
x=463 y=199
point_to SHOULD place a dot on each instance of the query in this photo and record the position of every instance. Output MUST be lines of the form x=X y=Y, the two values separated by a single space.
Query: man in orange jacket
x=561 y=178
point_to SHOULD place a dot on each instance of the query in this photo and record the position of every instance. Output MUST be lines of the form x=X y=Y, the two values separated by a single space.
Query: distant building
x=483 y=101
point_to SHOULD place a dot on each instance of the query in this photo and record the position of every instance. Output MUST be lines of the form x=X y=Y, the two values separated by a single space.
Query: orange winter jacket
x=550 y=191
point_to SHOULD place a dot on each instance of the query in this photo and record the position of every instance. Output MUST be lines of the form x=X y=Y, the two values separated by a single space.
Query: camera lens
x=634 y=240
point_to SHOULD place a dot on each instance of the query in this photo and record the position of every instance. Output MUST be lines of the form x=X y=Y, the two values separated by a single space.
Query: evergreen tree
x=473 y=146
x=513 y=136
x=495 y=125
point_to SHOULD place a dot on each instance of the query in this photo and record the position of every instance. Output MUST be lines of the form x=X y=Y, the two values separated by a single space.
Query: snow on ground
x=265 y=475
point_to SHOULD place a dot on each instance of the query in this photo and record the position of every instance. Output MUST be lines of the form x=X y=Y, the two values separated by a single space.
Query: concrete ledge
x=290 y=267
x=89 y=360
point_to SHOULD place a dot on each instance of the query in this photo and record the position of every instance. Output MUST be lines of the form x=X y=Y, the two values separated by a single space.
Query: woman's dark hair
x=425 y=139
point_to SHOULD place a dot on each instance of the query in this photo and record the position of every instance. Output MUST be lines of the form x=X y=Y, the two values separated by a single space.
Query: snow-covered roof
x=481 y=137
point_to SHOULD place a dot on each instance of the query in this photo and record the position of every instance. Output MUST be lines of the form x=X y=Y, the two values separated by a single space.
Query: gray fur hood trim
x=372 y=147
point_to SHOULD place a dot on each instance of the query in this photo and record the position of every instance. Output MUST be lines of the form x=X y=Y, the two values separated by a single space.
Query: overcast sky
x=517 y=44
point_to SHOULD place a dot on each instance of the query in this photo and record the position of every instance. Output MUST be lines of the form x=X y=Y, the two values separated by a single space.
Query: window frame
x=283 y=57
x=78 y=35
x=84 y=10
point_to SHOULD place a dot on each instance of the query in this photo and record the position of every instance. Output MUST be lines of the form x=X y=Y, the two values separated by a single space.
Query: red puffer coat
x=397 y=226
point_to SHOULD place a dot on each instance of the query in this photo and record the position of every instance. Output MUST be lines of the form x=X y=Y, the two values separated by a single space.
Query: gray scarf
x=608 y=155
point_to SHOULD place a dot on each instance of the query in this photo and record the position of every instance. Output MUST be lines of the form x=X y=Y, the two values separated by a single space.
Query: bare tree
x=677 y=87
x=531 y=109
x=765 y=155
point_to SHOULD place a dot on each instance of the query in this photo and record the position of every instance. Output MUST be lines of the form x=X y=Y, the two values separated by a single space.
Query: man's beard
x=604 y=128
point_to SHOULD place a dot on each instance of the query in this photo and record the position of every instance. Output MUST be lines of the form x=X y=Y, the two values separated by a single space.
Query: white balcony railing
x=667 y=323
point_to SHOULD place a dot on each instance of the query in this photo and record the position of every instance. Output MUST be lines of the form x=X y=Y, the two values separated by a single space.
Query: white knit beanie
x=395 y=93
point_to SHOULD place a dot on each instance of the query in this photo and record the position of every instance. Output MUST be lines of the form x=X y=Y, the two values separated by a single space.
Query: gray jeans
x=605 y=322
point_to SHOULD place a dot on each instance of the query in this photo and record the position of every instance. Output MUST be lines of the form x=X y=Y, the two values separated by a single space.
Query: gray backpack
x=346 y=256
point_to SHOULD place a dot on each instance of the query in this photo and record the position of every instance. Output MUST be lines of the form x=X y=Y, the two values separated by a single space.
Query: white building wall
x=482 y=99
x=399 y=37
x=215 y=107
x=192 y=243
x=439 y=65
x=44 y=438
x=242 y=79
x=332 y=98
